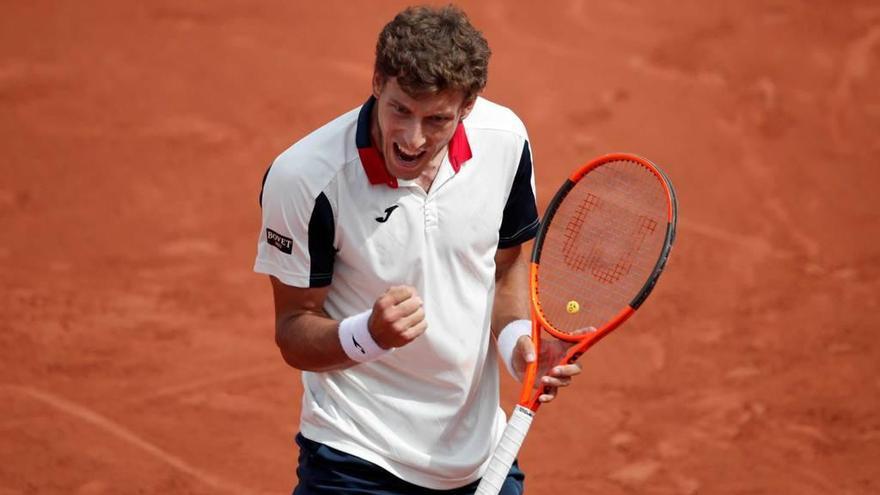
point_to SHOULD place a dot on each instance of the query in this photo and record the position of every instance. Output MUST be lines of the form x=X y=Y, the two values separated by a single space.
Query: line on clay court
x=200 y=384
x=756 y=244
x=856 y=63
x=87 y=415
x=754 y=165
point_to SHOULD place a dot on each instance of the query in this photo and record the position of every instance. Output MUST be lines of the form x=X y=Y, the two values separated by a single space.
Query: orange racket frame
x=528 y=397
x=521 y=418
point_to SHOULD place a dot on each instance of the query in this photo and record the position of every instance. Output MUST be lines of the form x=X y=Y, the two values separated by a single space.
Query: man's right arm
x=309 y=339
x=306 y=336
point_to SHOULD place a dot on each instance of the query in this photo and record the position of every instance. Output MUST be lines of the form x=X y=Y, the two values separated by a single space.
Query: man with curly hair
x=393 y=240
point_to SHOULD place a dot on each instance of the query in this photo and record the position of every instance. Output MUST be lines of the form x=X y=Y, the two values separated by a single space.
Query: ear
x=378 y=84
x=467 y=107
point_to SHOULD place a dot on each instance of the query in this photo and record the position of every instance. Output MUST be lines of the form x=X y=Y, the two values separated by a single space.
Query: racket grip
x=506 y=451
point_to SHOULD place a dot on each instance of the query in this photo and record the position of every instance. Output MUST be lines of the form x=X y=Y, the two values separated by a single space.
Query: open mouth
x=406 y=157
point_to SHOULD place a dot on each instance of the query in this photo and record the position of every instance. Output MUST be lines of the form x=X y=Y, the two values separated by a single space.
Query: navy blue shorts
x=324 y=470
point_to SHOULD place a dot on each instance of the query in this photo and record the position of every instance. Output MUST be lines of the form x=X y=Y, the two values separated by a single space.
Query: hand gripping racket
x=604 y=240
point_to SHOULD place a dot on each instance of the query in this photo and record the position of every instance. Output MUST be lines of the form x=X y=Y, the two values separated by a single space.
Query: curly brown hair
x=430 y=50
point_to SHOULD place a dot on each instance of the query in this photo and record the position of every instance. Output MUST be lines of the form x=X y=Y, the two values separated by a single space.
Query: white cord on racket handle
x=358 y=344
x=506 y=451
x=507 y=339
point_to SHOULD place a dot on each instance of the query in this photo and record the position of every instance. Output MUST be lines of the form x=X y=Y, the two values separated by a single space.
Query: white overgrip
x=506 y=451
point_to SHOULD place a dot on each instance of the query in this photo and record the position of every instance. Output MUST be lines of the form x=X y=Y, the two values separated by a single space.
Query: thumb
x=526 y=349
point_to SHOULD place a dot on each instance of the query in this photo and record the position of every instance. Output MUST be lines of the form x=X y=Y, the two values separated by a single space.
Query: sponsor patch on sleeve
x=284 y=244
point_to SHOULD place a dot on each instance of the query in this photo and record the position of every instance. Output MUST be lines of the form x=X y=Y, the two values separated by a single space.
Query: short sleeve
x=520 y=221
x=296 y=242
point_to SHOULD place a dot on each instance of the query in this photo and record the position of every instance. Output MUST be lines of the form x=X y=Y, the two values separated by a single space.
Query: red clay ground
x=136 y=344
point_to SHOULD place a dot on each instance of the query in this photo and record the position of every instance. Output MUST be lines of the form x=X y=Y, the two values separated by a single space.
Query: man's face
x=412 y=133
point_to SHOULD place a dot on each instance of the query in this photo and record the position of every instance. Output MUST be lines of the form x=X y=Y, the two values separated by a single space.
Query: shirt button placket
x=430 y=216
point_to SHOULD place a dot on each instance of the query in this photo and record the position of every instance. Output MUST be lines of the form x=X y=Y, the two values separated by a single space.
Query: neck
x=426 y=178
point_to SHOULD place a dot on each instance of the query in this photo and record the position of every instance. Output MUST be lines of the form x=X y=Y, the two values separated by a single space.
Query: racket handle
x=506 y=451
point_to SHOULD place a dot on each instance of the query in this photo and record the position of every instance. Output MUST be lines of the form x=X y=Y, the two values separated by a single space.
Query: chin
x=404 y=171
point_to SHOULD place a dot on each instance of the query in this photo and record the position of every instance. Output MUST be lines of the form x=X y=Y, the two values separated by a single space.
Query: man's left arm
x=511 y=305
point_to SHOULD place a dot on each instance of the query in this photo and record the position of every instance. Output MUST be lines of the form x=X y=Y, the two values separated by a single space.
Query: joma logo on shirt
x=285 y=244
x=387 y=214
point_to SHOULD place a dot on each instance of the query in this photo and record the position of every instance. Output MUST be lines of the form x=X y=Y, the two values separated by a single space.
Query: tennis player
x=393 y=240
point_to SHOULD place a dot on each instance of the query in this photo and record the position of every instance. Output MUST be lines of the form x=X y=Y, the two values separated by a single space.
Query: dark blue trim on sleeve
x=322 y=229
x=263 y=186
x=520 y=222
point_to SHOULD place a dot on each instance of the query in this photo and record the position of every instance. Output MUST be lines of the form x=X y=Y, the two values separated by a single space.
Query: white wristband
x=358 y=344
x=507 y=339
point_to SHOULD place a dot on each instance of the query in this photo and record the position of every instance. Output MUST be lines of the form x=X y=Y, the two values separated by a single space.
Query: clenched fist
x=398 y=317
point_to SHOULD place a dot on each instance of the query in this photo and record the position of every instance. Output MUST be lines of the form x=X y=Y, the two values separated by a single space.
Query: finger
x=414 y=331
x=408 y=307
x=581 y=331
x=414 y=318
x=566 y=370
x=400 y=293
x=551 y=381
x=547 y=396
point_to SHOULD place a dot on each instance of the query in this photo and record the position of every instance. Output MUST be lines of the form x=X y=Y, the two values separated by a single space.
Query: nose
x=413 y=137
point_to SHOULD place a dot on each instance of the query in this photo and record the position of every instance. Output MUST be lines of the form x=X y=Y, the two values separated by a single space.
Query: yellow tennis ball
x=572 y=307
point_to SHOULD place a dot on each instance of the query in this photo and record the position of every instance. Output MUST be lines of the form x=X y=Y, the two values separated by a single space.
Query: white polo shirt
x=427 y=412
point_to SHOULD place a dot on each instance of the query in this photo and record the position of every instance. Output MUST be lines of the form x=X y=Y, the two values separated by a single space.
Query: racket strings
x=601 y=245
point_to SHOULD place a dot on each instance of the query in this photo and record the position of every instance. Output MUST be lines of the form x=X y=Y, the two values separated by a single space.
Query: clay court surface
x=136 y=345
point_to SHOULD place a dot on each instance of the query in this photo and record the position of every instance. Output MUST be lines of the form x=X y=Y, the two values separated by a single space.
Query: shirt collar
x=374 y=165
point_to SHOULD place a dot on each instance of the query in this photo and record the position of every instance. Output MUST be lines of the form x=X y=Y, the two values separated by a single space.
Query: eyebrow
x=396 y=102
x=444 y=115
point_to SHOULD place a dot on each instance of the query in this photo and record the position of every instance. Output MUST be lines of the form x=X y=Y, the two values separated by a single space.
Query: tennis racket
x=601 y=247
